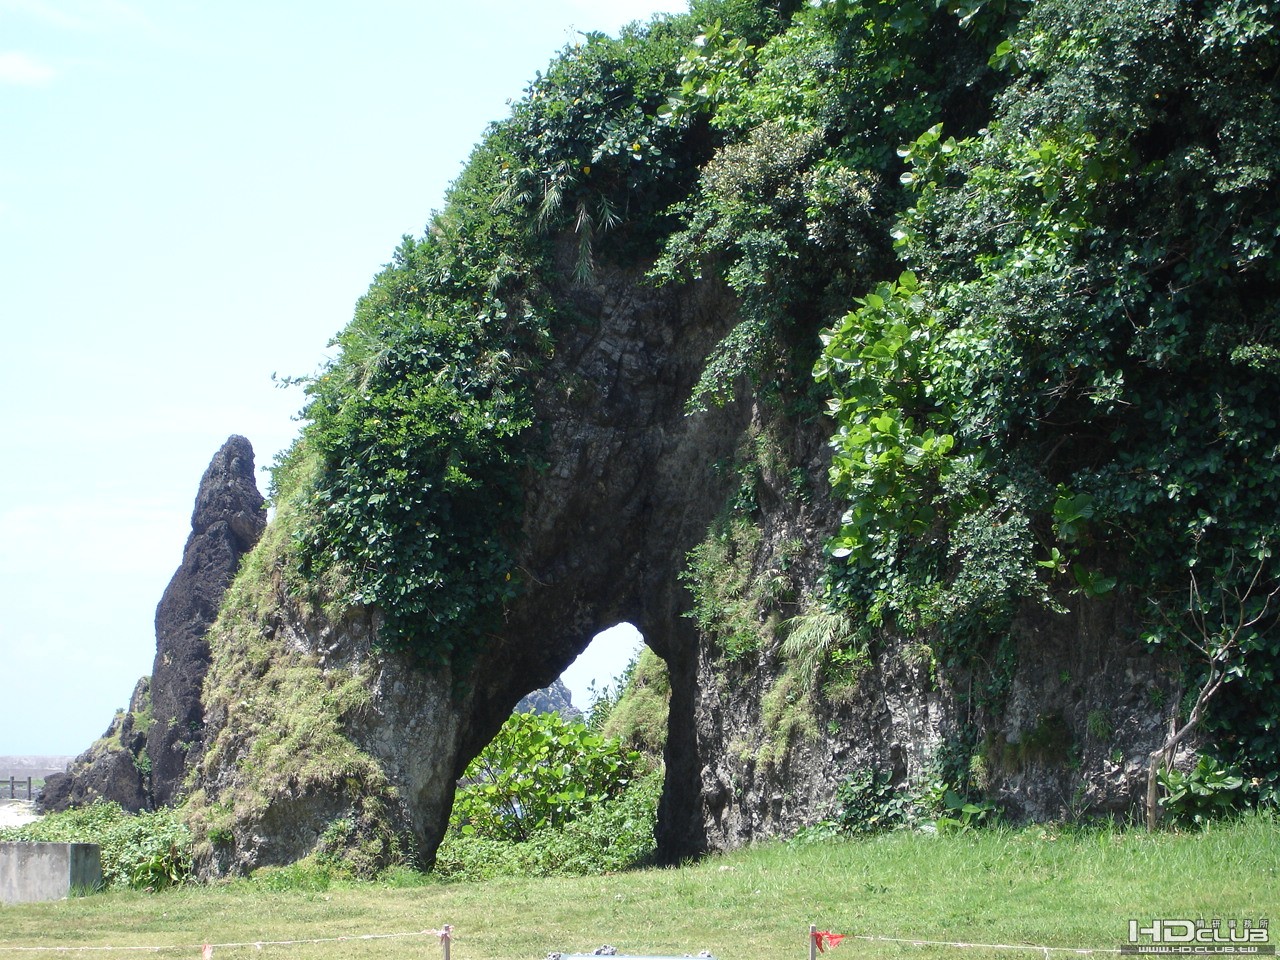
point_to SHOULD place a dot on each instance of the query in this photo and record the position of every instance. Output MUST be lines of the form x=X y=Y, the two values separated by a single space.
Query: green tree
x=1095 y=281
x=539 y=771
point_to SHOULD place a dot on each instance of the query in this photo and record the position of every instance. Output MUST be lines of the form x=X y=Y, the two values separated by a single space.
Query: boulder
x=553 y=699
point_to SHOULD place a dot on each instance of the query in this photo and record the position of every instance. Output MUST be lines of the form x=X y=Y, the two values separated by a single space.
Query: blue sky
x=192 y=197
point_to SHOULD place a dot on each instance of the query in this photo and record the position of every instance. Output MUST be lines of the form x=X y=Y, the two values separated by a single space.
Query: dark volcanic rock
x=141 y=760
x=227 y=521
x=553 y=699
x=112 y=769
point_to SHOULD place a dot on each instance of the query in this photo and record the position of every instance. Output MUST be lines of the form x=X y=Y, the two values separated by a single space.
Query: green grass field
x=1035 y=886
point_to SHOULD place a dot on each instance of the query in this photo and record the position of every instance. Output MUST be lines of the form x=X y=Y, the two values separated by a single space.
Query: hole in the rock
x=518 y=787
x=600 y=665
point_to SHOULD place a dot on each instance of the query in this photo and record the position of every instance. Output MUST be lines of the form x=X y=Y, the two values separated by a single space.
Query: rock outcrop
x=553 y=699
x=1078 y=722
x=226 y=522
x=114 y=768
x=142 y=759
x=633 y=485
x=631 y=488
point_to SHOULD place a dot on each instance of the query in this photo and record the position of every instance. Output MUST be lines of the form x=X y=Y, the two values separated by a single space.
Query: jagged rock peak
x=553 y=699
x=229 y=493
x=227 y=520
x=143 y=757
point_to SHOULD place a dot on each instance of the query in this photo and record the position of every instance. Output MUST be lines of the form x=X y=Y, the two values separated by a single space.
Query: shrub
x=540 y=771
x=614 y=835
x=1208 y=791
x=144 y=851
x=868 y=803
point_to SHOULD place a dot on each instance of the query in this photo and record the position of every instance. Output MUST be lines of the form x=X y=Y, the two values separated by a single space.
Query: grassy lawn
x=1038 y=885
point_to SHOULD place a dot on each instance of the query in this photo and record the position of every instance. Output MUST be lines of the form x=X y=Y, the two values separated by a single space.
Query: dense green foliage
x=867 y=803
x=616 y=834
x=540 y=771
x=1076 y=388
x=791 y=210
x=418 y=423
x=589 y=152
x=1027 y=248
x=550 y=796
x=146 y=851
x=1206 y=792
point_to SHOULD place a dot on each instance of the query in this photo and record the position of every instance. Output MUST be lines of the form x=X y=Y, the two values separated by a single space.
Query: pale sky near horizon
x=192 y=197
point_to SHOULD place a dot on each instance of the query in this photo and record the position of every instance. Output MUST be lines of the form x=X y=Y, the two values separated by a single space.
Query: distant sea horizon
x=32 y=765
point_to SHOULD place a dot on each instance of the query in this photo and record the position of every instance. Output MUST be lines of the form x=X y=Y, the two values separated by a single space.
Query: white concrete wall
x=30 y=872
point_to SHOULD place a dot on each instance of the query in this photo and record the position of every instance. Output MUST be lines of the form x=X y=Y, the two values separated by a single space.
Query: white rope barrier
x=1079 y=951
x=820 y=939
x=817 y=941
x=445 y=934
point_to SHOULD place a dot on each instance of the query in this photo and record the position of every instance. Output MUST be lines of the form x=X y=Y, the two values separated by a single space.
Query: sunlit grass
x=1036 y=886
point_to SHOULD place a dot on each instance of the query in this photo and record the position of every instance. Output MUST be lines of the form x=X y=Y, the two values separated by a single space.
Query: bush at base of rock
x=615 y=835
x=143 y=851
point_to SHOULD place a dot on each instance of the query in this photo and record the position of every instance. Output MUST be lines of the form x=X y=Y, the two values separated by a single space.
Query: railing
x=15 y=787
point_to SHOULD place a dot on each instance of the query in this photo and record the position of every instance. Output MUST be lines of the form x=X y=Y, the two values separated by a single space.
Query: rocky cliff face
x=226 y=522
x=633 y=484
x=1079 y=716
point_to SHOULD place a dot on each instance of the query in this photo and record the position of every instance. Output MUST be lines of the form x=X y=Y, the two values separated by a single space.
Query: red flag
x=823 y=939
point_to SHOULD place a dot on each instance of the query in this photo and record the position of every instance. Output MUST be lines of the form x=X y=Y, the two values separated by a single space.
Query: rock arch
x=629 y=488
